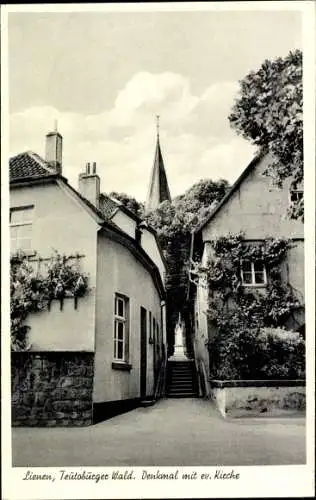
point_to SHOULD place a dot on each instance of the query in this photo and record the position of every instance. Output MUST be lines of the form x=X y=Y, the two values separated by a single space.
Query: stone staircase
x=181 y=379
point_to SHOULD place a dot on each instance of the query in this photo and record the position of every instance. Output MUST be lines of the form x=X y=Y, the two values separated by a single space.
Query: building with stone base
x=256 y=208
x=94 y=357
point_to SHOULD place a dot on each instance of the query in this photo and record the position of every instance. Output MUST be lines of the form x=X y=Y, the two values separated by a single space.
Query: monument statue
x=179 y=342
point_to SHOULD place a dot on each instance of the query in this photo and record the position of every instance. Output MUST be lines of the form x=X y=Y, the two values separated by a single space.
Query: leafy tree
x=129 y=202
x=174 y=222
x=269 y=112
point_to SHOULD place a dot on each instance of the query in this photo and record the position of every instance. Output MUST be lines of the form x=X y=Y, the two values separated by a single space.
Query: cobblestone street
x=174 y=432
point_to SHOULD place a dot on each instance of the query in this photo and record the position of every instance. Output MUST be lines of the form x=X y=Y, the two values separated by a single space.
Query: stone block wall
x=52 y=389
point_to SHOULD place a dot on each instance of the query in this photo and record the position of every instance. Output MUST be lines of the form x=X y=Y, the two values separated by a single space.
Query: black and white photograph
x=157 y=333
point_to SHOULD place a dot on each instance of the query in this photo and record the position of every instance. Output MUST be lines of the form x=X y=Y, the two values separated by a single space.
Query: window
x=296 y=195
x=21 y=228
x=253 y=273
x=121 y=328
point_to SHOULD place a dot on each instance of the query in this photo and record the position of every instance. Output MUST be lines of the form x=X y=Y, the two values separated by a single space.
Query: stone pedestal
x=179 y=347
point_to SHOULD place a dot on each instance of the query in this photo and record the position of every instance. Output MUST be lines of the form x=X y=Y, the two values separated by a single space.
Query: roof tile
x=107 y=206
x=28 y=165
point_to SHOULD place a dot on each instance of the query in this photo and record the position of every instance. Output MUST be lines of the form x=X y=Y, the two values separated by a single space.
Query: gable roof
x=232 y=190
x=110 y=206
x=28 y=165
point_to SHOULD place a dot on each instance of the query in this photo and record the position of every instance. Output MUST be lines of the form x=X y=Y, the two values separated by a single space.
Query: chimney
x=54 y=150
x=89 y=184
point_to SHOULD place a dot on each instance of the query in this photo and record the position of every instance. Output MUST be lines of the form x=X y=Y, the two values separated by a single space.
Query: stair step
x=181 y=371
x=181 y=374
x=181 y=379
x=175 y=380
x=181 y=363
x=181 y=389
x=188 y=366
x=182 y=384
x=183 y=395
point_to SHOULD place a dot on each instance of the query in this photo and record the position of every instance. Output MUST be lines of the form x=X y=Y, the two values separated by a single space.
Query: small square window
x=253 y=273
x=296 y=195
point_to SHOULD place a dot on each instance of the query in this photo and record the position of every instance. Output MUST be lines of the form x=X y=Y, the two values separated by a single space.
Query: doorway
x=143 y=351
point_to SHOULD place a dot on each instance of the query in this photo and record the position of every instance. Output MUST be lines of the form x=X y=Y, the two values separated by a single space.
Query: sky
x=106 y=75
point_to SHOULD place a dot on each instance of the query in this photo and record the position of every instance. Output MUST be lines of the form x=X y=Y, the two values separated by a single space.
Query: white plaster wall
x=296 y=268
x=257 y=208
x=61 y=223
x=68 y=329
x=149 y=244
x=126 y=223
x=119 y=271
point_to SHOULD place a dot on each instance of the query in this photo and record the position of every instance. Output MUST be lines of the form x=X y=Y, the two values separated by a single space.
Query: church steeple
x=158 y=186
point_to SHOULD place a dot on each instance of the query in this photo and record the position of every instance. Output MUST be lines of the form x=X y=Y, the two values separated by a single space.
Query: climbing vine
x=241 y=313
x=30 y=291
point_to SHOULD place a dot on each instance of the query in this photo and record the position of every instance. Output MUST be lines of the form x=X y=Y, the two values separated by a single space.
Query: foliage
x=129 y=202
x=269 y=112
x=31 y=292
x=254 y=354
x=239 y=313
x=174 y=222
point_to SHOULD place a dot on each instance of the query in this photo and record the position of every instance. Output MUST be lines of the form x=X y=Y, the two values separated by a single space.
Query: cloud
x=196 y=138
x=227 y=160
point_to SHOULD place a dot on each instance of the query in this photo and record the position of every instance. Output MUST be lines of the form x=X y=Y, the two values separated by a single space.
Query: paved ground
x=174 y=432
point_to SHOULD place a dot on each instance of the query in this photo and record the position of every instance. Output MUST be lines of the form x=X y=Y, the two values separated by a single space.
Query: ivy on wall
x=32 y=292
x=240 y=313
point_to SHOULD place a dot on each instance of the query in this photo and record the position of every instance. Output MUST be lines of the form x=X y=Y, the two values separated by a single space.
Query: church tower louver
x=158 y=187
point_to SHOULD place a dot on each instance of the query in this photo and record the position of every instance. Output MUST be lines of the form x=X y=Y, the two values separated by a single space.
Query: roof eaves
x=38 y=179
x=87 y=203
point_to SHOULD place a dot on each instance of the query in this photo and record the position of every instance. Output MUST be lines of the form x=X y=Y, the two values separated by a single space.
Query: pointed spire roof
x=158 y=186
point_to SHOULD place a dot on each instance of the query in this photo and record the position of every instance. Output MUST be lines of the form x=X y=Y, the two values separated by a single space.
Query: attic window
x=296 y=195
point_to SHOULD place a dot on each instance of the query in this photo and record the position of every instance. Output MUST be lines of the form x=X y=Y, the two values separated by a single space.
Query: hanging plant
x=32 y=292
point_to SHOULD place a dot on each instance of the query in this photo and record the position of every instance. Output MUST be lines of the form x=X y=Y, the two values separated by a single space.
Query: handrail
x=197 y=370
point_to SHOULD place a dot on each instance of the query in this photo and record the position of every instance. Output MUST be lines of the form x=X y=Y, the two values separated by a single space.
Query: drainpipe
x=164 y=323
